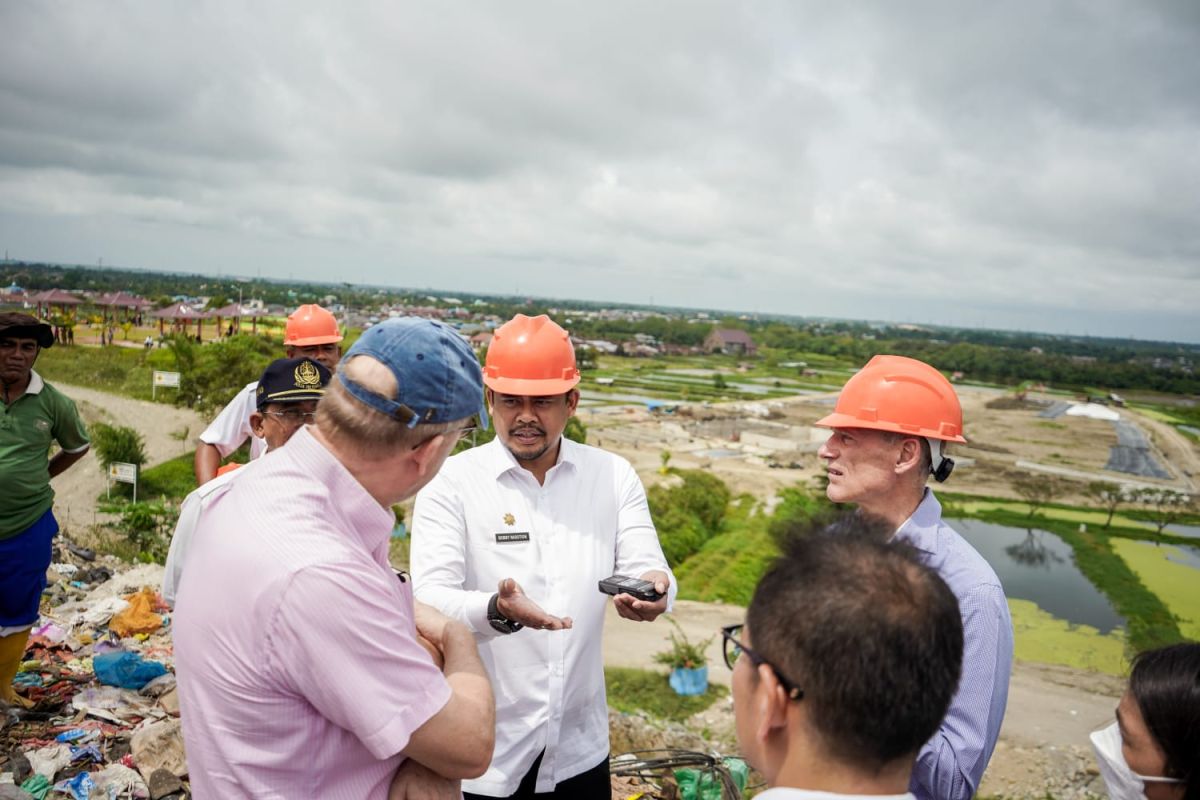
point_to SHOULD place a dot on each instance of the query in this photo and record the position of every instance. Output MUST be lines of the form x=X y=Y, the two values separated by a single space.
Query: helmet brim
x=527 y=387
x=839 y=420
x=308 y=341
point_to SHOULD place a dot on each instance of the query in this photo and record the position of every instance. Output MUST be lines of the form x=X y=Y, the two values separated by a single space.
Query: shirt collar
x=500 y=460
x=36 y=384
x=921 y=529
x=362 y=515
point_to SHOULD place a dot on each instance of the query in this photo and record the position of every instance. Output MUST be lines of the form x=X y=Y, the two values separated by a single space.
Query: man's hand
x=630 y=607
x=416 y=782
x=514 y=604
x=431 y=625
x=439 y=659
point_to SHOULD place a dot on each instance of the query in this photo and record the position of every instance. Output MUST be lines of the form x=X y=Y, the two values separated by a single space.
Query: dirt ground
x=1004 y=443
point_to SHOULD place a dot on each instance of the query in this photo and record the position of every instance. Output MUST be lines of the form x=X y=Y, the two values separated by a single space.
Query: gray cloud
x=1023 y=165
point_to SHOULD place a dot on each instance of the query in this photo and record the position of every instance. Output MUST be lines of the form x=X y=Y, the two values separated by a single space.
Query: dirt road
x=76 y=489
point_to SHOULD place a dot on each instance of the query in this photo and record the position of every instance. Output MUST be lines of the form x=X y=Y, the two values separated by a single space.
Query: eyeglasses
x=466 y=431
x=293 y=416
x=733 y=649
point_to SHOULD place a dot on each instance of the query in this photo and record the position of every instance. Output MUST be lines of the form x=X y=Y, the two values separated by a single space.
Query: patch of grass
x=173 y=479
x=632 y=690
x=120 y=370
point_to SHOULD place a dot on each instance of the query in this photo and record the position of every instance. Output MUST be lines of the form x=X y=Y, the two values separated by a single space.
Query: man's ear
x=256 y=424
x=423 y=455
x=909 y=457
x=572 y=402
x=773 y=702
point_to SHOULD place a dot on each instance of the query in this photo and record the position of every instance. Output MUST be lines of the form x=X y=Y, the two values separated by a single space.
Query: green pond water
x=1172 y=573
x=1058 y=616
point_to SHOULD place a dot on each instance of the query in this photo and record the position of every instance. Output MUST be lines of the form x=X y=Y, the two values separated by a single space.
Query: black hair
x=870 y=634
x=1165 y=684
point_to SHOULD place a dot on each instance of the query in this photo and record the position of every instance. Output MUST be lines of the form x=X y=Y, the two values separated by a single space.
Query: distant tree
x=719 y=381
x=665 y=457
x=1165 y=505
x=1106 y=495
x=585 y=358
x=1035 y=491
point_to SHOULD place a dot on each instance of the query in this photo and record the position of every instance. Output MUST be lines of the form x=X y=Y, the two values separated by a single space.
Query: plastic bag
x=695 y=784
x=126 y=670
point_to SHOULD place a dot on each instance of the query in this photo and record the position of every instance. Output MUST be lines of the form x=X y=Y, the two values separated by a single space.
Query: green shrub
x=688 y=515
x=114 y=444
x=147 y=527
x=796 y=514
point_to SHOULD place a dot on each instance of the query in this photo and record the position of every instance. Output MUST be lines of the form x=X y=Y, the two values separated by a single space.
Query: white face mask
x=1122 y=782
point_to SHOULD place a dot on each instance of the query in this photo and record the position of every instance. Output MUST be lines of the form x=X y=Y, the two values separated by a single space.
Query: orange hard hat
x=530 y=356
x=311 y=324
x=230 y=467
x=902 y=395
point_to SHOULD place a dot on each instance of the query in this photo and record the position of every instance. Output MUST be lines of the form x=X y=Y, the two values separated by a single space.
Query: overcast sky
x=1029 y=165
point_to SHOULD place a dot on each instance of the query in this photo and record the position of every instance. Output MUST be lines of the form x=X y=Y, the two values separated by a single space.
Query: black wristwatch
x=498 y=621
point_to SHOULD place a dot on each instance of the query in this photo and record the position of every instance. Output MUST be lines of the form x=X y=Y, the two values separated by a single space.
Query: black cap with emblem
x=289 y=380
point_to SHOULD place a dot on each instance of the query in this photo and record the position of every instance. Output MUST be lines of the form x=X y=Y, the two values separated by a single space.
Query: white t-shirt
x=232 y=426
x=484 y=518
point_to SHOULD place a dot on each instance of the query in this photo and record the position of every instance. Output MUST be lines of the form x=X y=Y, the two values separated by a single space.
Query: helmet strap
x=939 y=465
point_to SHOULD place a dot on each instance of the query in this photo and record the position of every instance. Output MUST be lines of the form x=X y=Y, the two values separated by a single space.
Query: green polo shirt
x=27 y=427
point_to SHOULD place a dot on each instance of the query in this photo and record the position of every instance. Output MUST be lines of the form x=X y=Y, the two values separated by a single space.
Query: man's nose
x=824 y=451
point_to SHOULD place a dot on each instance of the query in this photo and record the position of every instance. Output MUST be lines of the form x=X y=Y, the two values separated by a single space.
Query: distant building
x=730 y=341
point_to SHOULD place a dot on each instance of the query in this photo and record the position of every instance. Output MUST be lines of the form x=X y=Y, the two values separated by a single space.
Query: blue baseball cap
x=438 y=374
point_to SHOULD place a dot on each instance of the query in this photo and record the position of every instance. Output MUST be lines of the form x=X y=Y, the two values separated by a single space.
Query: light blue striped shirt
x=951 y=764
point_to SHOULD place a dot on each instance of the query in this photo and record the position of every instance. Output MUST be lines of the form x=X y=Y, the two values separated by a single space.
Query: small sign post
x=163 y=379
x=122 y=473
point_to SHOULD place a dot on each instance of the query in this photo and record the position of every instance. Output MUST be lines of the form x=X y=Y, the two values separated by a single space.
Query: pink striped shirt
x=299 y=671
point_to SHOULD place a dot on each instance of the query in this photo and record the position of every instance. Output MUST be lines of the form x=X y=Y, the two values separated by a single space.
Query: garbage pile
x=103 y=721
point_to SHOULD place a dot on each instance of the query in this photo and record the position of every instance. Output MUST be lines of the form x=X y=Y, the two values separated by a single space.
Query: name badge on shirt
x=512 y=538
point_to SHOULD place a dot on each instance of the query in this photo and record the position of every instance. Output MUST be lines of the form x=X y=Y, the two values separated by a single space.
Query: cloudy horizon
x=1025 y=166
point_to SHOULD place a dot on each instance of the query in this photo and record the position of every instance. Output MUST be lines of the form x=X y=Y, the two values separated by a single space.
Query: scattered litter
x=90 y=734
x=126 y=670
x=140 y=616
x=159 y=746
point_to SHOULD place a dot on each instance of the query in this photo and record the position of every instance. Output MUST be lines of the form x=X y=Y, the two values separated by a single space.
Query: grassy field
x=632 y=690
x=119 y=370
x=693 y=378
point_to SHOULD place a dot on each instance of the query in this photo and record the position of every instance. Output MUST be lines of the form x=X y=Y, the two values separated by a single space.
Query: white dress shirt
x=485 y=518
x=232 y=426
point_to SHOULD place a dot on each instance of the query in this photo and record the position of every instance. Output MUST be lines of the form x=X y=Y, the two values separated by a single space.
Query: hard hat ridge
x=310 y=324
x=530 y=356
